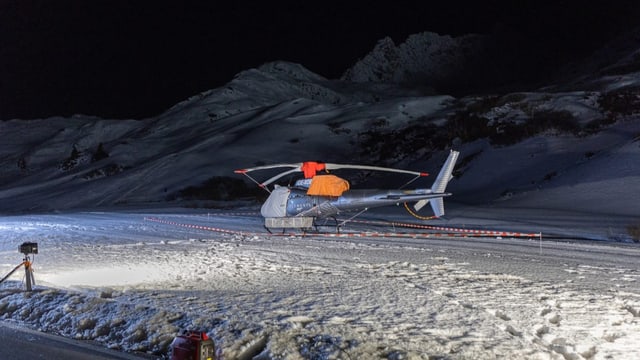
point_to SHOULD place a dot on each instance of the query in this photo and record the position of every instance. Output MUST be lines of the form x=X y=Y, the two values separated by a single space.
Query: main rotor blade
x=265 y=183
x=330 y=166
x=264 y=167
x=297 y=167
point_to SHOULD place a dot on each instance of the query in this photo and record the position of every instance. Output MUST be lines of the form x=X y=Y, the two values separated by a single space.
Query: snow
x=119 y=266
x=133 y=284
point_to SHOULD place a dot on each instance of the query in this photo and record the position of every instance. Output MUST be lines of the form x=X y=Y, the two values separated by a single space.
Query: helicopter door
x=276 y=204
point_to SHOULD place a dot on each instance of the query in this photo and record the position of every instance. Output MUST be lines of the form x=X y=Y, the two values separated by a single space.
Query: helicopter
x=324 y=195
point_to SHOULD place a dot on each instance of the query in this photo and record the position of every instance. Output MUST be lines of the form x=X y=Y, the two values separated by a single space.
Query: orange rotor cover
x=310 y=168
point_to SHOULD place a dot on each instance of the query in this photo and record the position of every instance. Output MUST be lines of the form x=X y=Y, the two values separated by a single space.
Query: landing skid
x=283 y=231
x=336 y=224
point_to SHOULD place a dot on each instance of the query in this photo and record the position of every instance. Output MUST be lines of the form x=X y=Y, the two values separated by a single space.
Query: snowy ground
x=132 y=284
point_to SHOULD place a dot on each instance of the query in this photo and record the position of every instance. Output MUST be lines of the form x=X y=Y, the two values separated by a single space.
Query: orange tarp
x=328 y=185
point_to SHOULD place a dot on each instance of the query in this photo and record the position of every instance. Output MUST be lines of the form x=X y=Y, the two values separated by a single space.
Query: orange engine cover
x=327 y=185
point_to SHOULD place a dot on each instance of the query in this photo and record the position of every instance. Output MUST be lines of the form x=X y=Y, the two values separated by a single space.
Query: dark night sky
x=132 y=59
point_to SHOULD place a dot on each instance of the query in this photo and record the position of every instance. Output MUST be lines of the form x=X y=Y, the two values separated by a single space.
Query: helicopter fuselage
x=299 y=202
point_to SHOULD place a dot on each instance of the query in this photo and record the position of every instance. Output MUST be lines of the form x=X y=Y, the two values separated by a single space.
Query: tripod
x=28 y=272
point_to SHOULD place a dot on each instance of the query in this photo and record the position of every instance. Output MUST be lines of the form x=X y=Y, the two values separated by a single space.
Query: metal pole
x=27 y=272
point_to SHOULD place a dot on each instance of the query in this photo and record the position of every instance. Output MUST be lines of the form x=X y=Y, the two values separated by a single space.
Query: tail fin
x=440 y=185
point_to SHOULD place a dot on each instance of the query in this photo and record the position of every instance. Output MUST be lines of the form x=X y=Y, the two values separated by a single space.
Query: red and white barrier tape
x=457 y=230
x=475 y=232
x=456 y=233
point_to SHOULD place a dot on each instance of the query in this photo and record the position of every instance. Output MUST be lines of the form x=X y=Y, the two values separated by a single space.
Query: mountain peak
x=426 y=58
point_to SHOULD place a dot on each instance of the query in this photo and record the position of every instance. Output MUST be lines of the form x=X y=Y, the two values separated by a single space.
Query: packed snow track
x=133 y=284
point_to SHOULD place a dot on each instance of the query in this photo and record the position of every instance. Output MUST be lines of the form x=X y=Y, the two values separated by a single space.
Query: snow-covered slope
x=280 y=112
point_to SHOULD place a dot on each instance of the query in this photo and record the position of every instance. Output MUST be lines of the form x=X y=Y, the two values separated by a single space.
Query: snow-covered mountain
x=426 y=59
x=518 y=149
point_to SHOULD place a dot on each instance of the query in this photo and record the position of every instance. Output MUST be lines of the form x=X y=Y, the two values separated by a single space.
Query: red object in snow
x=193 y=345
